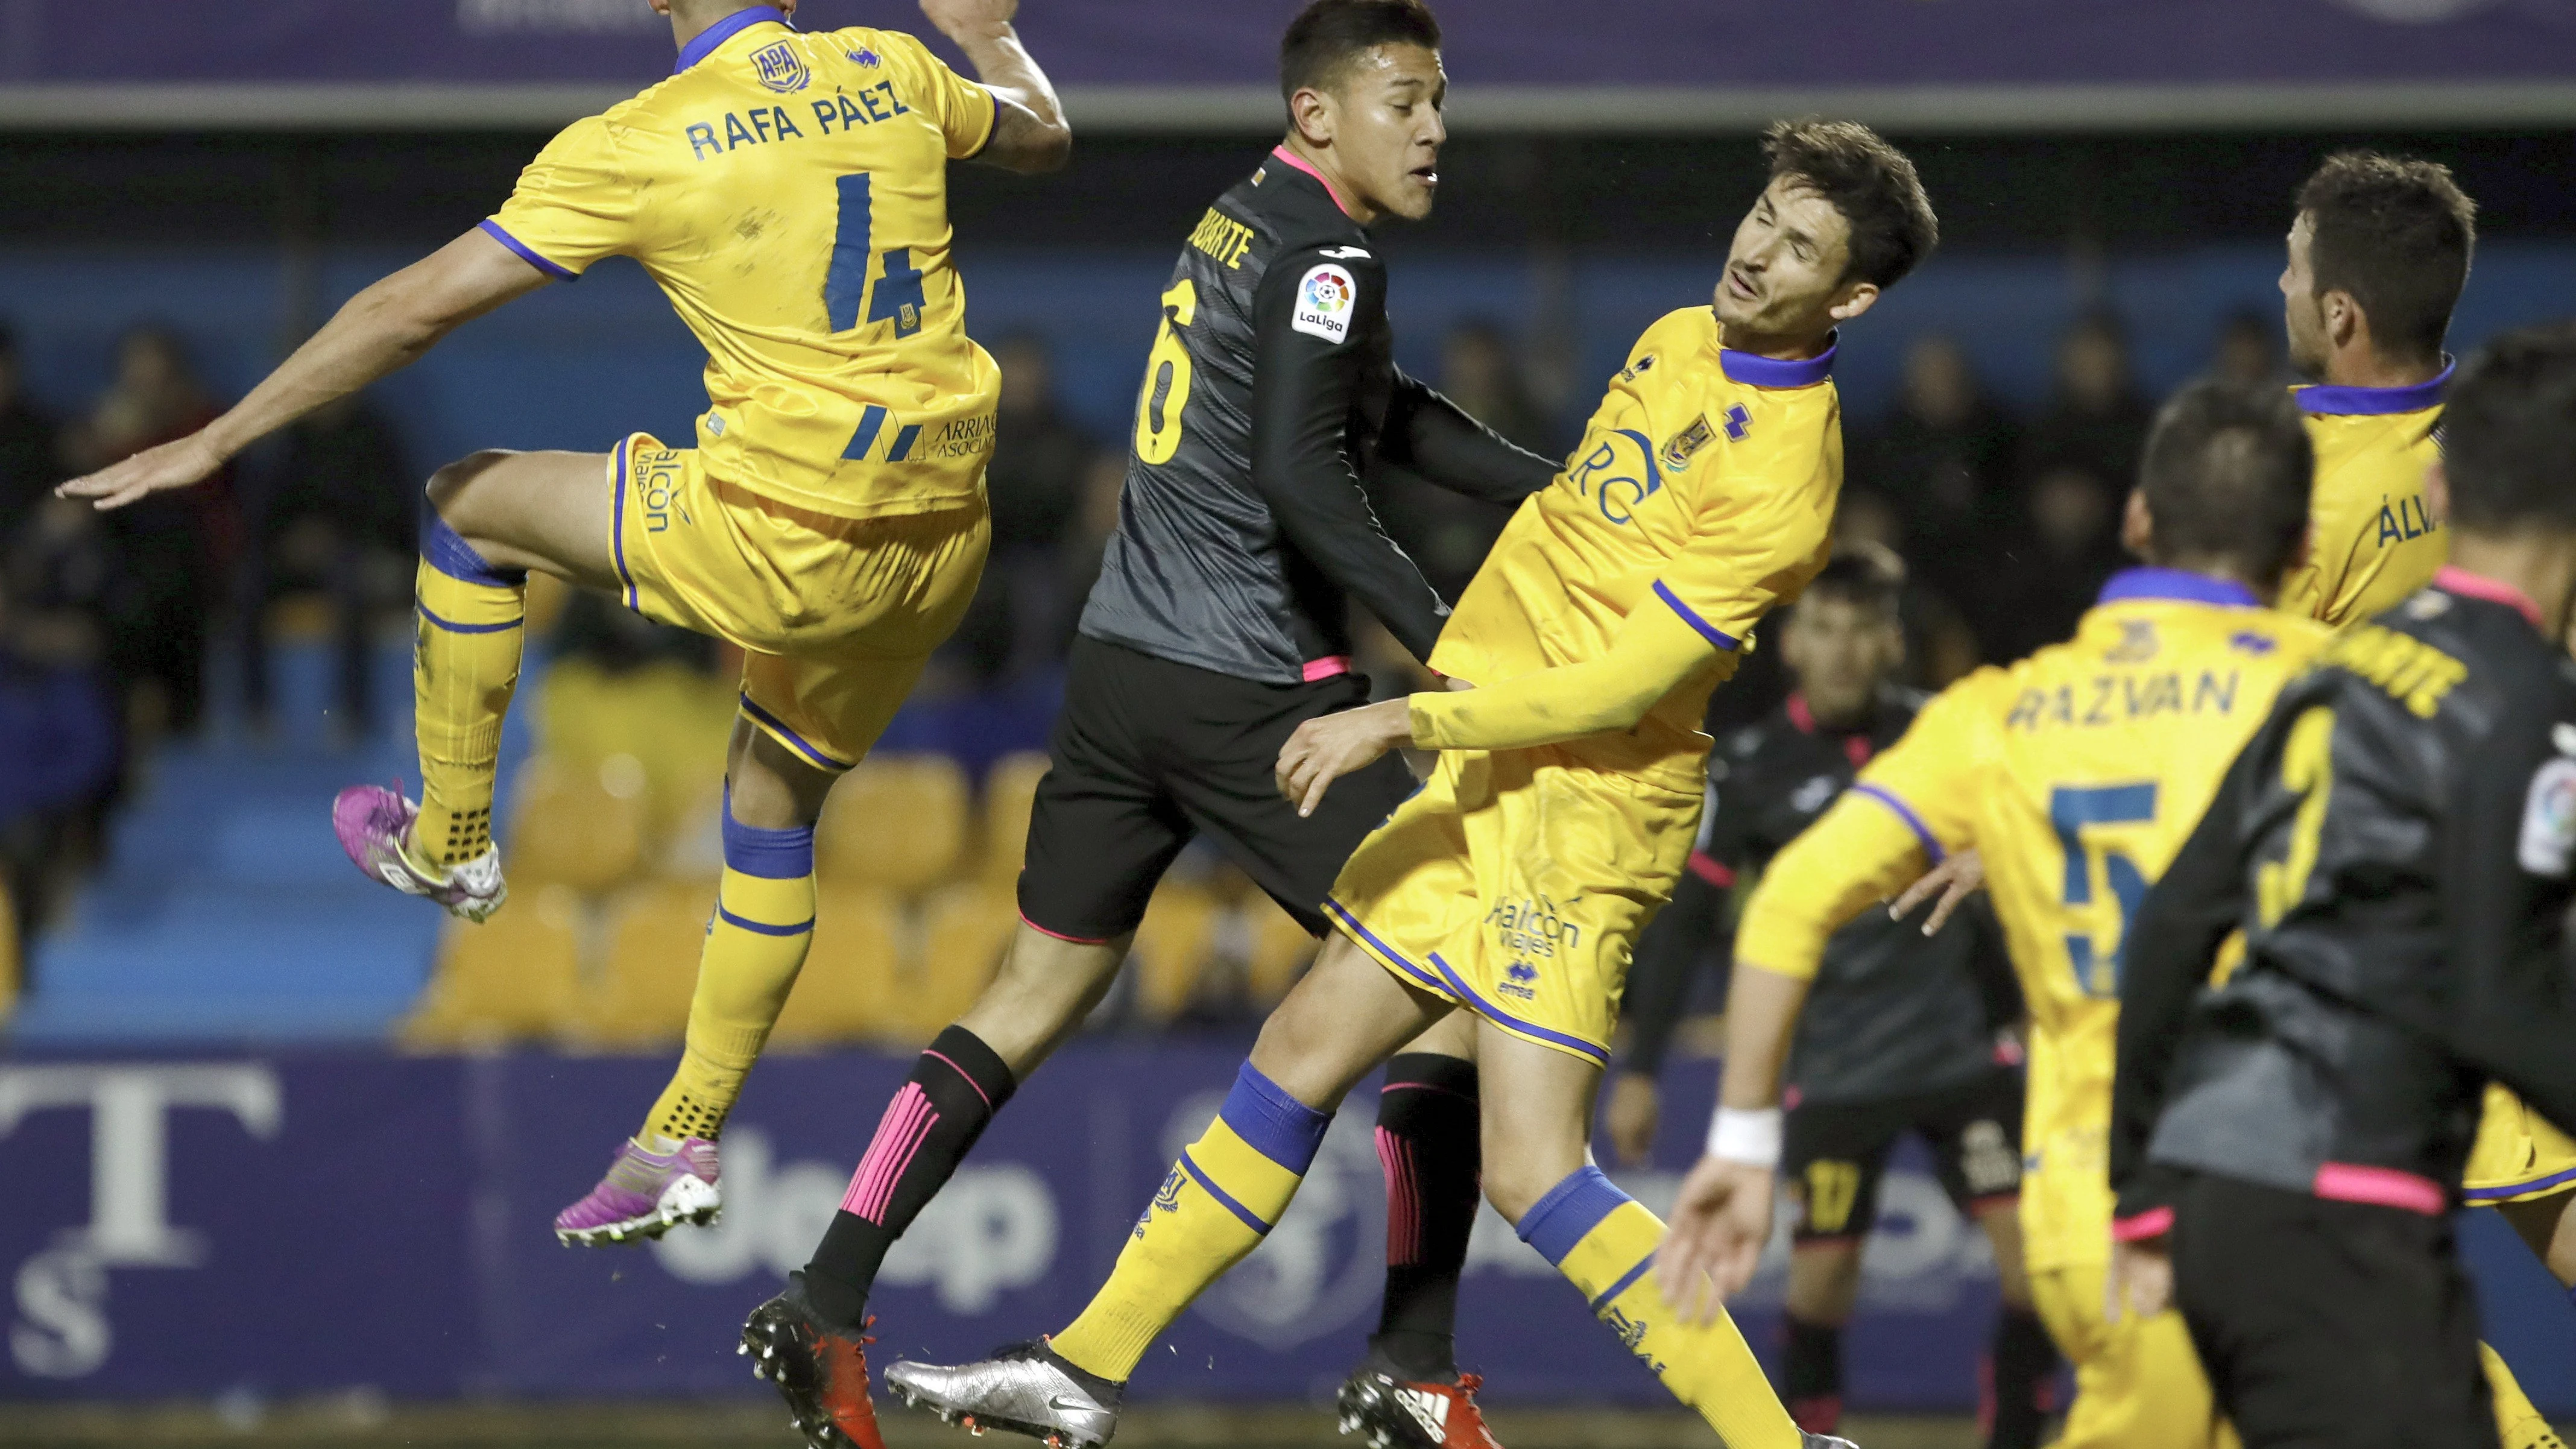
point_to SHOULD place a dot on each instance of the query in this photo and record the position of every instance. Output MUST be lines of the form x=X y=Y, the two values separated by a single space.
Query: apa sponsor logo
x=1324 y=302
x=62 y=1329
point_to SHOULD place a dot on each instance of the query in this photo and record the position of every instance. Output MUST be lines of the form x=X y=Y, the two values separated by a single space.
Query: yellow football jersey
x=1705 y=484
x=789 y=192
x=2077 y=773
x=2371 y=542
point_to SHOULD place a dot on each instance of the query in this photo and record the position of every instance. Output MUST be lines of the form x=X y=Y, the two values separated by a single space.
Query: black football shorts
x=1834 y=1154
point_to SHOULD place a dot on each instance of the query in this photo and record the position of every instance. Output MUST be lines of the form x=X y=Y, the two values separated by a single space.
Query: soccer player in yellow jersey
x=788 y=191
x=1558 y=818
x=2377 y=258
x=2078 y=773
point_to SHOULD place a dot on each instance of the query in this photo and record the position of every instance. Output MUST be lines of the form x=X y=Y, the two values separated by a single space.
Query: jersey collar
x=1755 y=370
x=726 y=29
x=1286 y=157
x=2329 y=401
x=2177 y=584
x=2454 y=580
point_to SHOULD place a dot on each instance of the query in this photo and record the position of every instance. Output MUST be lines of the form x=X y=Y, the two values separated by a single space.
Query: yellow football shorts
x=2138 y=1382
x=1515 y=883
x=836 y=616
x=2519 y=1154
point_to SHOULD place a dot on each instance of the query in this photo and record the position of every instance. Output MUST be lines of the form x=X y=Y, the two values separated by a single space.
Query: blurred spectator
x=59 y=749
x=1447 y=533
x=2249 y=349
x=178 y=547
x=338 y=520
x=1939 y=645
x=1944 y=459
x=1022 y=614
x=2079 y=461
x=29 y=461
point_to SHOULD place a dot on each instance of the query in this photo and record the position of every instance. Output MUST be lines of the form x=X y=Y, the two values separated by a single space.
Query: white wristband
x=1749 y=1137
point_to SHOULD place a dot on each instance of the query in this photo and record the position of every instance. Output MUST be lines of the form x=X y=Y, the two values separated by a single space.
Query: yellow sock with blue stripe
x=2518 y=1424
x=465 y=666
x=1604 y=1243
x=756 y=942
x=1219 y=1201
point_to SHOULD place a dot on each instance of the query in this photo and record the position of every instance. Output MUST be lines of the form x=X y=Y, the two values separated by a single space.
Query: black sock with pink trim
x=2021 y=1380
x=1427 y=1140
x=933 y=1121
x=1811 y=1373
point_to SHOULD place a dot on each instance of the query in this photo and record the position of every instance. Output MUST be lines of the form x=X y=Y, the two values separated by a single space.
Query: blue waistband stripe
x=1277 y=1125
x=769 y=854
x=1569 y=1213
x=444 y=550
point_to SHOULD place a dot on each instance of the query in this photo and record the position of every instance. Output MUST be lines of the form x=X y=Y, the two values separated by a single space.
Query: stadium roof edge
x=1145 y=110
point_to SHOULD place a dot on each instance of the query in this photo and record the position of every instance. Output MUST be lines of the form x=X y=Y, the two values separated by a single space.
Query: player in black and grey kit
x=1902 y=1033
x=1218 y=625
x=2395 y=845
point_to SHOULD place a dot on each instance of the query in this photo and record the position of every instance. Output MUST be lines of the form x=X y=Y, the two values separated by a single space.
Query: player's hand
x=2141 y=1279
x=976 y=17
x=154 y=470
x=1962 y=875
x=1329 y=746
x=1635 y=1108
x=1720 y=1222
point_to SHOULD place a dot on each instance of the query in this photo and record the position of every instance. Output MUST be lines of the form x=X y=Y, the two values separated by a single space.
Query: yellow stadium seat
x=965 y=929
x=515 y=976
x=897 y=821
x=1008 y=793
x=640 y=995
x=849 y=981
x=573 y=826
x=661 y=729
x=11 y=971
x=1172 y=948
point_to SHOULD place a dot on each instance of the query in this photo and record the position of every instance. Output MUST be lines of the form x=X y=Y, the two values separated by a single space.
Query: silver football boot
x=1019 y=1389
x=1823 y=1441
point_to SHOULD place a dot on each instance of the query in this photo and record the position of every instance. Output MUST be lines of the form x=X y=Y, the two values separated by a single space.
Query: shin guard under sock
x=1215 y=1206
x=1428 y=1144
x=465 y=667
x=933 y=1121
x=1604 y=1243
x=1811 y=1373
x=2021 y=1380
x=757 y=937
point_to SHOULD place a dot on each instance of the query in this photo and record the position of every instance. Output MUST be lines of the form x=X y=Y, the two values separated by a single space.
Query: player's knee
x=454 y=493
x=1515 y=1181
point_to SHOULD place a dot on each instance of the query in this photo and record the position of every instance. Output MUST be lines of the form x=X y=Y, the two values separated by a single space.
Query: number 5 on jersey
x=1167 y=378
x=2074 y=810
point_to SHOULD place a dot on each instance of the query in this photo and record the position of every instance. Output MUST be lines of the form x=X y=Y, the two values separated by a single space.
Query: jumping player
x=2394 y=847
x=1559 y=816
x=2077 y=772
x=1218 y=626
x=788 y=192
x=1900 y=1034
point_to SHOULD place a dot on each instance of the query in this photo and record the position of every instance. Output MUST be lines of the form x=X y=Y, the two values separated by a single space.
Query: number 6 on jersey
x=1167 y=378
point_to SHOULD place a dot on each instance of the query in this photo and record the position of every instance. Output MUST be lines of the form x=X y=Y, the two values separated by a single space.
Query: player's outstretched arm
x=1029 y=130
x=378 y=331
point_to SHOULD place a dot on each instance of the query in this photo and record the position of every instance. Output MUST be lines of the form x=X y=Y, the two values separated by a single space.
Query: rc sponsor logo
x=62 y=1329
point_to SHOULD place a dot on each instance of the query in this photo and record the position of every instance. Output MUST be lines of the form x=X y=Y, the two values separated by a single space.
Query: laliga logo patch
x=2549 y=820
x=1324 y=301
x=780 y=68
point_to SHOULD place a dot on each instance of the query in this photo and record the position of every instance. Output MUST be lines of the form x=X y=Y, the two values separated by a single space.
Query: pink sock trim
x=908 y=1119
x=1403 y=1200
x=942 y=1058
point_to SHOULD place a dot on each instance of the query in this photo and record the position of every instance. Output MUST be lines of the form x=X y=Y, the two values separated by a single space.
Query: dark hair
x=2226 y=477
x=2397 y=235
x=1870 y=182
x=1861 y=573
x=2508 y=431
x=1327 y=34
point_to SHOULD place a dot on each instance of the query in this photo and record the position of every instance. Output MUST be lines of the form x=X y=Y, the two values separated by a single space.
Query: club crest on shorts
x=1324 y=301
x=780 y=68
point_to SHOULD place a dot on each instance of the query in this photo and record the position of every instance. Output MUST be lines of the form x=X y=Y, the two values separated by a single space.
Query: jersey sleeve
x=1928 y=782
x=1854 y=856
x=1654 y=652
x=1437 y=439
x=967 y=112
x=1305 y=380
x=573 y=204
x=1754 y=545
